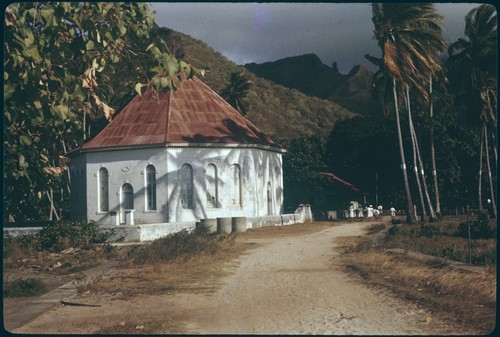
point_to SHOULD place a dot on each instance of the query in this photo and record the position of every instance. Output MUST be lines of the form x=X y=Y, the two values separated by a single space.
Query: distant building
x=343 y=193
x=180 y=156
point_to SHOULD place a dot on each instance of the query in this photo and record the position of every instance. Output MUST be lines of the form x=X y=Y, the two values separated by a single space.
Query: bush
x=24 y=288
x=61 y=235
x=181 y=245
x=17 y=249
x=479 y=229
x=375 y=228
x=20 y=247
x=394 y=230
x=428 y=230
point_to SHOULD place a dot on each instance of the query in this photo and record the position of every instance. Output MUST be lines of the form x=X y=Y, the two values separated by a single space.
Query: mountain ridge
x=309 y=75
x=281 y=112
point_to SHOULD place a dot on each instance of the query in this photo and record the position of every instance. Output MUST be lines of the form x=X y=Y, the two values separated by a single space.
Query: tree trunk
x=433 y=153
x=410 y=218
x=490 y=179
x=84 y=126
x=68 y=184
x=422 y=174
x=52 y=207
x=414 y=148
x=495 y=151
x=480 y=174
x=420 y=163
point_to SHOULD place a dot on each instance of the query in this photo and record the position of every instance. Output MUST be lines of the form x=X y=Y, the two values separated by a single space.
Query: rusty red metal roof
x=334 y=177
x=192 y=115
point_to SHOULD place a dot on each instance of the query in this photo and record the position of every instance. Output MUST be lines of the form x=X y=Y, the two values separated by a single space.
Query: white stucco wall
x=258 y=169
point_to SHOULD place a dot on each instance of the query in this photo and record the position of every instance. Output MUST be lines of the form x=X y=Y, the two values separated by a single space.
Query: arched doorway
x=127 y=200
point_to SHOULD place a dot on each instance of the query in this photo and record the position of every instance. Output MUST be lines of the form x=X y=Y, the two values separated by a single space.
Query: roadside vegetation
x=435 y=265
x=180 y=246
x=34 y=264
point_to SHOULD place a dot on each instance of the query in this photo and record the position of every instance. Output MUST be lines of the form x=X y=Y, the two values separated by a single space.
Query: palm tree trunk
x=422 y=174
x=420 y=164
x=433 y=153
x=490 y=179
x=480 y=174
x=413 y=144
x=410 y=218
x=494 y=145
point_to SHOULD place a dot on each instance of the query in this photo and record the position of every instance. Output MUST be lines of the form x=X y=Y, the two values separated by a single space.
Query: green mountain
x=279 y=111
x=309 y=75
x=355 y=92
x=305 y=73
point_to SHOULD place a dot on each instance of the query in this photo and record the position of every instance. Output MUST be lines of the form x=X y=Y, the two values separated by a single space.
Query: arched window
x=186 y=182
x=103 y=195
x=212 y=186
x=269 y=199
x=236 y=185
x=127 y=197
x=150 y=188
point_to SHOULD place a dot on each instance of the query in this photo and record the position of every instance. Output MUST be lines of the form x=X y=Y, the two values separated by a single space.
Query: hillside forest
x=418 y=134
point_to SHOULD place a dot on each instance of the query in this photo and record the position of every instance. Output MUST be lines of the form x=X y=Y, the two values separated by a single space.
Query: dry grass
x=167 y=277
x=466 y=297
x=280 y=231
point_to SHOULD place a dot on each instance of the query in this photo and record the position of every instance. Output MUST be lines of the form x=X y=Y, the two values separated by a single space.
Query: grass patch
x=180 y=246
x=465 y=296
x=448 y=240
x=375 y=228
x=24 y=288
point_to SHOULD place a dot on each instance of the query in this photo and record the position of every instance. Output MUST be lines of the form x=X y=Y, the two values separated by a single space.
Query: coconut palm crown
x=410 y=38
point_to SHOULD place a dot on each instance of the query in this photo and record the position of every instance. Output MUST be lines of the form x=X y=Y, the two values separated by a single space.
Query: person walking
x=369 y=211
x=351 y=212
x=393 y=212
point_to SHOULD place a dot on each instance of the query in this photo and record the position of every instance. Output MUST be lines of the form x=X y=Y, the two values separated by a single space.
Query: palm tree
x=474 y=60
x=236 y=92
x=409 y=36
x=433 y=152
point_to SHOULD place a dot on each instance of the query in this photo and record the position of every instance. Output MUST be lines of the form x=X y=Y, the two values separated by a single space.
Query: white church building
x=173 y=159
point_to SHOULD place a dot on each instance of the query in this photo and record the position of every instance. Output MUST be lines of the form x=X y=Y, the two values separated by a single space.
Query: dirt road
x=286 y=285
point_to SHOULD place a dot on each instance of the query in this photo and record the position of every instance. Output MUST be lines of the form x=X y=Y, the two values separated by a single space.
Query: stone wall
x=15 y=232
x=149 y=232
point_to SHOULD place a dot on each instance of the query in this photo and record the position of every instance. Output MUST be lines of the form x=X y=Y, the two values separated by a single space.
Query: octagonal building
x=176 y=157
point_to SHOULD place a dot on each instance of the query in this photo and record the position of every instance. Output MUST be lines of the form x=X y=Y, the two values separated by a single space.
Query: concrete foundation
x=209 y=224
x=239 y=224
x=224 y=225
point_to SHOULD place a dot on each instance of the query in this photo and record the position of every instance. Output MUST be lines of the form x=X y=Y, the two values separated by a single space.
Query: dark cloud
x=262 y=32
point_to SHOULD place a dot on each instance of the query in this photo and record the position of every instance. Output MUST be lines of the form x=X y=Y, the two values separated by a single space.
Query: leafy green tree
x=237 y=91
x=60 y=58
x=362 y=151
x=302 y=163
x=409 y=36
x=473 y=66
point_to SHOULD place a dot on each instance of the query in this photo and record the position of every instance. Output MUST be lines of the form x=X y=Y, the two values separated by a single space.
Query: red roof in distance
x=334 y=177
x=194 y=114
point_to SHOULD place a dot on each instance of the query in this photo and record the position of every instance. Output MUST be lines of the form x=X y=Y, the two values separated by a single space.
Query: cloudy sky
x=262 y=32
